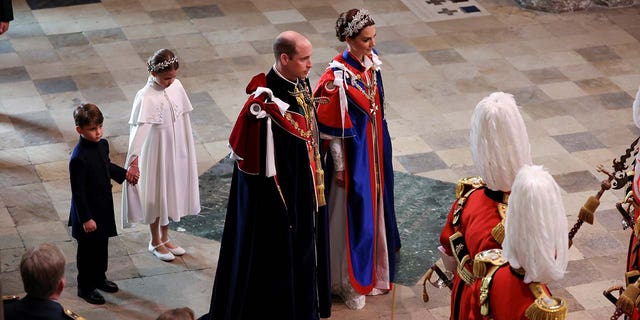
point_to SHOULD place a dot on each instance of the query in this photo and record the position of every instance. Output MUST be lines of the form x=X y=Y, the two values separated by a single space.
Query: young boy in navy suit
x=92 y=218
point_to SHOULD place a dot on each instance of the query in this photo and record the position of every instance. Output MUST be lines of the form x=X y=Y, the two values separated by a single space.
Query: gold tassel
x=587 y=211
x=320 y=181
x=498 y=232
x=427 y=276
x=627 y=299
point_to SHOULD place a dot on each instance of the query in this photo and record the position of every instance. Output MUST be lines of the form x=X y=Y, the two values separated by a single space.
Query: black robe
x=274 y=253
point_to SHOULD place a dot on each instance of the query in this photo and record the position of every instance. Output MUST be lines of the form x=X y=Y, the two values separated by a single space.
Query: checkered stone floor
x=574 y=75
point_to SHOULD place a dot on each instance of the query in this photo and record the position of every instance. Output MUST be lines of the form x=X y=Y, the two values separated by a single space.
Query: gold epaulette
x=467 y=184
x=545 y=307
x=484 y=260
x=464 y=188
x=72 y=315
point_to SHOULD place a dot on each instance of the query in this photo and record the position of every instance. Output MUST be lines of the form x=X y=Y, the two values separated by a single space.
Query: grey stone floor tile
x=6 y=47
x=576 y=181
x=105 y=35
x=51 y=231
x=39 y=56
x=36 y=128
x=9 y=238
x=442 y=56
x=26 y=30
x=598 y=53
x=422 y=162
x=578 y=141
x=14 y=74
x=68 y=40
x=17 y=176
x=545 y=75
x=615 y=100
x=10 y=259
x=55 y=85
x=199 y=12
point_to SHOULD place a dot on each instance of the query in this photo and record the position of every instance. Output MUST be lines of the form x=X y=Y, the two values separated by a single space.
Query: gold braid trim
x=303 y=97
x=465 y=274
x=498 y=231
x=484 y=290
x=72 y=315
x=10 y=298
x=545 y=307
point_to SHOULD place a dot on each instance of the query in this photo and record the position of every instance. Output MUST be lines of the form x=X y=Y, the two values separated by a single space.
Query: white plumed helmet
x=499 y=140
x=536 y=237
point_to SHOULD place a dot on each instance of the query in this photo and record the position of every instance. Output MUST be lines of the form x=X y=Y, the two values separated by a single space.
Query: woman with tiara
x=364 y=233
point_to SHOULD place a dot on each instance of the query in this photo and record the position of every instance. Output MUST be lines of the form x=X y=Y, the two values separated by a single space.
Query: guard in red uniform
x=511 y=283
x=499 y=147
x=629 y=300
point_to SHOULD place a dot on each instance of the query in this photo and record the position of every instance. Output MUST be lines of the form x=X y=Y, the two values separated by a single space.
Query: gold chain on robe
x=303 y=97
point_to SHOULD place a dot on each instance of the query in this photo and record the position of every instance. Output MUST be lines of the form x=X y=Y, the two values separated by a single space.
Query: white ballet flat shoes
x=162 y=256
x=177 y=251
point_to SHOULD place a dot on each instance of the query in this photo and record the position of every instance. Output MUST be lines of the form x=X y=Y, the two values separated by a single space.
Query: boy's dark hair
x=87 y=114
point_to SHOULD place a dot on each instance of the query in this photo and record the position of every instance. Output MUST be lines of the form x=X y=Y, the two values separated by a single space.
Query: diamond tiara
x=358 y=22
x=162 y=65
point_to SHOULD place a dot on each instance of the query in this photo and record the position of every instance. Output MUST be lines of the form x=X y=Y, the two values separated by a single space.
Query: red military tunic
x=509 y=296
x=632 y=256
x=479 y=216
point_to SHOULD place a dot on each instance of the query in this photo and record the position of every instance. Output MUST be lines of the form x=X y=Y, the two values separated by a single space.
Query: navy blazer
x=90 y=173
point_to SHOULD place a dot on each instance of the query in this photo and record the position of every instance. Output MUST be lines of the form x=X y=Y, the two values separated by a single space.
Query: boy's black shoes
x=93 y=296
x=108 y=286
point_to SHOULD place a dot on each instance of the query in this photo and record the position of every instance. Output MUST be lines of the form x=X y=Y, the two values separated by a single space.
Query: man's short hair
x=284 y=45
x=87 y=114
x=41 y=269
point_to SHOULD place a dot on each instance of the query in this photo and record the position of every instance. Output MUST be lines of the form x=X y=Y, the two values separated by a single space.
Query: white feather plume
x=536 y=236
x=499 y=140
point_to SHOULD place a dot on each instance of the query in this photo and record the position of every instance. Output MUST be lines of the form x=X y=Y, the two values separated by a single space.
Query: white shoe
x=355 y=302
x=162 y=256
x=177 y=251
x=377 y=292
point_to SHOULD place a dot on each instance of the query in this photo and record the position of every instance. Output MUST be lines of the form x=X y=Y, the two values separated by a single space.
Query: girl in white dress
x=161 y=147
